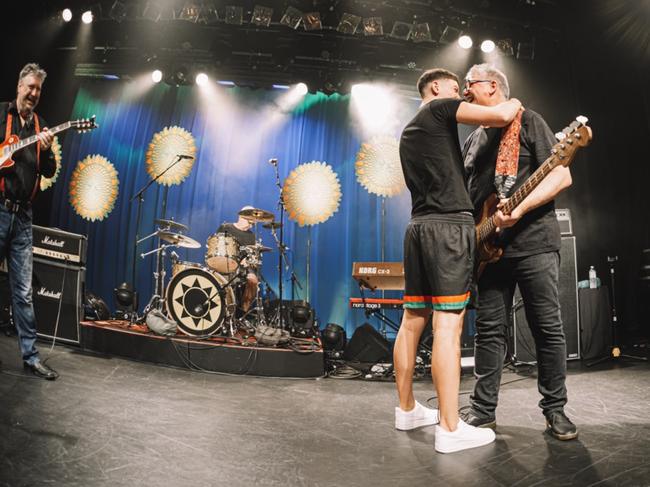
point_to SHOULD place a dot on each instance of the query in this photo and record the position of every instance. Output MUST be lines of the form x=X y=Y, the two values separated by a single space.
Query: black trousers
x=537 y=277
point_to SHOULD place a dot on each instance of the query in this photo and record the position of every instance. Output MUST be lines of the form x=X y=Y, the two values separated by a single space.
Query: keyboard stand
x=378 y=313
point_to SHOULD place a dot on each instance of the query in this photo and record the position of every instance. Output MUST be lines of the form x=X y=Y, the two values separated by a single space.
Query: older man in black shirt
x=530 y=238
x=17 y=190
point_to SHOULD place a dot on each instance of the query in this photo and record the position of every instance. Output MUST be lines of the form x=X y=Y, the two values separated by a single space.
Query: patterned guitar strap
x=505 y=174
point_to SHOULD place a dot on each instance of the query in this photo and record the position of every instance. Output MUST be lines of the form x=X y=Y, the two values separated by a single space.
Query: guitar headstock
x=84 y=124
x=576 y=135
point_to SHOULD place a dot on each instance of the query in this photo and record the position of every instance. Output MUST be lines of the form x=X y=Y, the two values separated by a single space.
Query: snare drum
x=200 y=301
x=223 y=253
x=180 y=265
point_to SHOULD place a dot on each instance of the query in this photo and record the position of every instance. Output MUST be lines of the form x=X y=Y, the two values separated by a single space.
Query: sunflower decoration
x=311 y=193
x=378 y=167
x=56 y=150
x=163 y=150
x=93 y=188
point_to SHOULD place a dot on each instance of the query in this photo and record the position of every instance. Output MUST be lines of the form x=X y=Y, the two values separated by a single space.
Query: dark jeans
x=16 y=247
x=537 y=277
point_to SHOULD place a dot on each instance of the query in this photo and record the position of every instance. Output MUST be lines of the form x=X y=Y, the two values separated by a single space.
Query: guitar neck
x=34 y=138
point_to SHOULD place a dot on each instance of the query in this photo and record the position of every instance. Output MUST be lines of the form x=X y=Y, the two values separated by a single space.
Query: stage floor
x=113 y=422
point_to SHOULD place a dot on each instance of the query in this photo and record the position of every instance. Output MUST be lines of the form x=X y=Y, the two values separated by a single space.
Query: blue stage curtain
x=236 y=134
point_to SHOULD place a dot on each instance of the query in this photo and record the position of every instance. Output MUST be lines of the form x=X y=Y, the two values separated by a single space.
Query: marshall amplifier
x=563 y=216
x=56 y=245
x=54 y=283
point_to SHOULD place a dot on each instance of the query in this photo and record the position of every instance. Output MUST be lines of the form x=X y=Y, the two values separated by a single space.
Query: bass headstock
x=576 y=135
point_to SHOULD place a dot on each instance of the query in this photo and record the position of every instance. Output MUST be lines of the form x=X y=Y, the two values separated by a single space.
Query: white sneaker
x=463 y=438
x=416 y=417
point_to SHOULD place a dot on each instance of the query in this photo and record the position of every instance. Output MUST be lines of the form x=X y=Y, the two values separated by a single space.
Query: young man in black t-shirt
x=438 y=254
x=530 y=238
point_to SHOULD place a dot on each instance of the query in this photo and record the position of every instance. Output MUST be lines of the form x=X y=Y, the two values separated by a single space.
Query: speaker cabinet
x=524 y=345
x=55 y=283
x=367 y=346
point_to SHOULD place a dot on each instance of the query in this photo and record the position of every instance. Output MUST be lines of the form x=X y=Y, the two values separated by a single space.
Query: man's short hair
x=489 y=71
x=32 y=69
x=433 y=75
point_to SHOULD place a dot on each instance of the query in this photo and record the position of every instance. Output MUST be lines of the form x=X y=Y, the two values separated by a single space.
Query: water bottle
x=593 y=280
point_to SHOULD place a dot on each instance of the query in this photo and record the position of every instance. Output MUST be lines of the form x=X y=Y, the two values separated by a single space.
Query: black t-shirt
x=538 y=230
x=19 y=183
x=431 y=160
x=243 y=237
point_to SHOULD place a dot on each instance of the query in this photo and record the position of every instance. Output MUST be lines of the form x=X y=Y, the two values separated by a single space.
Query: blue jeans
x=537 y=277
x=16 y=247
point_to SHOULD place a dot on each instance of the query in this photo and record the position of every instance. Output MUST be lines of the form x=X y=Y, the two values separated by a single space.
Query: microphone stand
x=282 y=255
x=140 y=197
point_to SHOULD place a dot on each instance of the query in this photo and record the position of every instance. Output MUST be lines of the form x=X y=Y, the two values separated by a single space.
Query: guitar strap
x=505 y=174
x=37 y=126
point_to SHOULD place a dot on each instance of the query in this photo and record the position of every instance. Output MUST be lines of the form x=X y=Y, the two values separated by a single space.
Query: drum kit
x=204 y=298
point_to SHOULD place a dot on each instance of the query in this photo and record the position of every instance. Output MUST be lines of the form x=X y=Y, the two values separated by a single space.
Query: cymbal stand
x=156 y=300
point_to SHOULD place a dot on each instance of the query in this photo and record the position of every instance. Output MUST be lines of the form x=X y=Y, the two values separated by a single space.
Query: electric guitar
x=13 y=143
x=576 y=135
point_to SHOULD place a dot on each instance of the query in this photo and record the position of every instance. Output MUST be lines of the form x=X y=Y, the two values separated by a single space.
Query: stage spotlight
x=373 y=26
x=262 y=16
x=526 y=50
x=311 y=21
x=487 y=46
x=291 y=18
x=421 y=33
x=301 y=89
x=465 y=42
x=87 y=17
x=234 y=15
x=348 y=24
x=449 y=35
x=301 y=319
x=401 y=30
x=126 y=301
x=118 y=11
x=505 y=46
x=333 y=337
x=202 y=79
x=156 y=75
x=190 y=12
x=66 y=15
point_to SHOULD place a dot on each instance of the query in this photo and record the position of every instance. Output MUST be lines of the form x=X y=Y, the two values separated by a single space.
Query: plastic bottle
x=593 y=280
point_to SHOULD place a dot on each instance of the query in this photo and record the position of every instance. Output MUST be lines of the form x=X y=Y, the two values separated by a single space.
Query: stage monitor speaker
x=49 y=291
x=524 y=345
x=367 y=346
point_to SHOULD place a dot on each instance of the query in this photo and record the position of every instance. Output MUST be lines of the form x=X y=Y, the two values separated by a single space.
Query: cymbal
x=272 y=225
x=258 y=247
x=171 y=225
x=257 y=215
x=179 y=240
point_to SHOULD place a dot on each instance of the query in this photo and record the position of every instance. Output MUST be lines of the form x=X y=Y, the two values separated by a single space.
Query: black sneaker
x=560 y=427
x=472 y=419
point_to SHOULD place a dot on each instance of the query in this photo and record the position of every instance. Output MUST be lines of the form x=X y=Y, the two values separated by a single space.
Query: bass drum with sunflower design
x=200 y=301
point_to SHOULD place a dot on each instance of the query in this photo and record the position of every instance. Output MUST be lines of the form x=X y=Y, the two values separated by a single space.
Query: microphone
x=273 y=162
x=184 y=156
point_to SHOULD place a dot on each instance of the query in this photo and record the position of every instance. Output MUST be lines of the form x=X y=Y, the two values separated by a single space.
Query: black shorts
x=439 y=261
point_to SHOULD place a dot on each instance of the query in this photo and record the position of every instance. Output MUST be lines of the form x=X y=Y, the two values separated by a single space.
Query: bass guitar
x=13 y=143
x=576 y=135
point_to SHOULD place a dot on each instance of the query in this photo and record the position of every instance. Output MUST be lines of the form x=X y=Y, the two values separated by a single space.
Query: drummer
x=241 y=231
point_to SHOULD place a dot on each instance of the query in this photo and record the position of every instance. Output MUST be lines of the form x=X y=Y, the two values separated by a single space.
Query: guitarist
x=500 y=160
x=17 y=190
